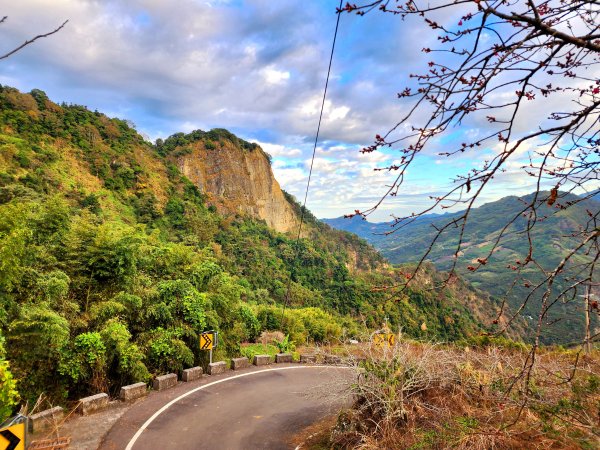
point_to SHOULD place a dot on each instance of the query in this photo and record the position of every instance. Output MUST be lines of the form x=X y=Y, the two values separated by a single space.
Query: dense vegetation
x=553 y=236
x=179 y=142
x=111 y=263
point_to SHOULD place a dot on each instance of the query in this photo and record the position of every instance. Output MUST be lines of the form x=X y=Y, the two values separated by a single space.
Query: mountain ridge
x=551 y=239
x=247 y=187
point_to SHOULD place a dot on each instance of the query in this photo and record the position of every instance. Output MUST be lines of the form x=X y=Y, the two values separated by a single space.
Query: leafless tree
x=29 y=41
x=526 y=72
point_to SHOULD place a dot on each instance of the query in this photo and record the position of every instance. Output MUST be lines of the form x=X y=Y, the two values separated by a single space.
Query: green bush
x=124 y=359
x=164 y=351
x=9 y=397
x=249 y=351
x=85 y=362
x=250 y=321
x=184 y=302
x=37 y=346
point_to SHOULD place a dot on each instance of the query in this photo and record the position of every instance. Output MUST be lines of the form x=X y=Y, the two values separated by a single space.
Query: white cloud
x=274 y=76
x=258 y=69
x=278 y=150
x=289 y=176
x=338 y=113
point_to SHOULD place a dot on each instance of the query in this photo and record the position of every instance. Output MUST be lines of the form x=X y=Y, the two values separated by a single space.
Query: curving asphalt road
x=256 y=409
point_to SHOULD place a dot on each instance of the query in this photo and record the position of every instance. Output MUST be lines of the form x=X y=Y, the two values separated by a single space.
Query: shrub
x=85 y=362
x=9 y=397
x=431 y=396
x=37 y=344
x=92 y=203
x=123 y=358
x=250 y=321
x=164 y=351
x=285 y=345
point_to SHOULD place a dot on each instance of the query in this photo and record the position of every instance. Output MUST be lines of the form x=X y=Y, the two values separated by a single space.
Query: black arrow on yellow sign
x=13 y=440
x=207 y=341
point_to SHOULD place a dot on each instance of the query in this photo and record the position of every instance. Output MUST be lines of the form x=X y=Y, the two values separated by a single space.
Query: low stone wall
x=261 y=360
x=133 y=391
x=308 y=359
x=165 y=382
x=92 y=403
x=239 y=363
x=45 y=419
x=332 y=359
x=191 y=374
x=217 y=367
x=284 y=358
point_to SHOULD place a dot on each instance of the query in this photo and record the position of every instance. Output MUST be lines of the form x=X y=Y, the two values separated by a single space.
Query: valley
x=554 y=235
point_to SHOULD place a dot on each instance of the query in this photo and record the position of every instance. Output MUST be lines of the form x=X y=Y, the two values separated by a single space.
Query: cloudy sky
x=255 y=67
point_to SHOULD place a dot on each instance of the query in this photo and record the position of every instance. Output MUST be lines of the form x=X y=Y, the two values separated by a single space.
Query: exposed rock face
x=239 y=181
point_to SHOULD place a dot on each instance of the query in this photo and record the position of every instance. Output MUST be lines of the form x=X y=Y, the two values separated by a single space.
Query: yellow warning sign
x=207 y=341
x=13 y=437
x=384 y=339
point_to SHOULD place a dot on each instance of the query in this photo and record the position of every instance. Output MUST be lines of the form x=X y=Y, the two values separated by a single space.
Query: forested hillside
x=112 y=261
x=554 y=235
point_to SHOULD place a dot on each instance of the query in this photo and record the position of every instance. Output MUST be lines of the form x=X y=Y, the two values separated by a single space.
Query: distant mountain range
x=551 y=239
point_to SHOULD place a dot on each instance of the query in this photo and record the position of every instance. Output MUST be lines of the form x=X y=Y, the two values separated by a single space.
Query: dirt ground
x=86 y=432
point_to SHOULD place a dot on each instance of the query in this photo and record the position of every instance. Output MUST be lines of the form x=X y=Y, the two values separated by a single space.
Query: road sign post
x=208 y=341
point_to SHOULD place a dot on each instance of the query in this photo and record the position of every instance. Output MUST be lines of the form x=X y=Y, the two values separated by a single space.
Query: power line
x=312 y=161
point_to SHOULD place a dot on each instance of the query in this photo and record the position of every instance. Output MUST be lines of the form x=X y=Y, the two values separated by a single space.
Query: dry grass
x=268 y=337
x=422 y=396
x=315 y=436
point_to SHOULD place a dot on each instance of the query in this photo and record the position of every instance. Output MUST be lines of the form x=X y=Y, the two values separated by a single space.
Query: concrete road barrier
x=45 y=419
x=191 y=374
x=261 y=360
x=133 y=391
x=308 y=359
x=284 y=358
x=333 y=359
x=239 y=363
x=165 y=382
x=217 y=367
x=92 y=403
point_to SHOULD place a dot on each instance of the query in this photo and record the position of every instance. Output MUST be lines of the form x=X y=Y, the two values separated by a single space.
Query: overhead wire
x=312 y=162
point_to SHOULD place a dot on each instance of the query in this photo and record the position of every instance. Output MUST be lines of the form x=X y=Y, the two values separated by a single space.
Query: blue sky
x=254 y=67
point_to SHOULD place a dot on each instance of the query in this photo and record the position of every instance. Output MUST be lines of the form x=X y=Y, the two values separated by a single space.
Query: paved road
x=258 y=409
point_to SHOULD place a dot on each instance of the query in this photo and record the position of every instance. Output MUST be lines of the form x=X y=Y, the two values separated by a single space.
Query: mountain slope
x=235 y=175
x=552 y=238
x=112 y=260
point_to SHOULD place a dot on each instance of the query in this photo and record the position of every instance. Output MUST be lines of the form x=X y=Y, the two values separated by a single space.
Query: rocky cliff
x=237 y=180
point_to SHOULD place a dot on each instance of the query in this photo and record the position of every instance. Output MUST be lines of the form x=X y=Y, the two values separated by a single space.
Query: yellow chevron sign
x=13 y=437
x=207 y=341
x=384 y=339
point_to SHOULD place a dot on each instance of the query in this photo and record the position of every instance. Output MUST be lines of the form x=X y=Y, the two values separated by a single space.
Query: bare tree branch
x=32 y=40
x=533 y=50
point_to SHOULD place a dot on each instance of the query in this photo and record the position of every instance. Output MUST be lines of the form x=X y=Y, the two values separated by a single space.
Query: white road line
x=199 y=388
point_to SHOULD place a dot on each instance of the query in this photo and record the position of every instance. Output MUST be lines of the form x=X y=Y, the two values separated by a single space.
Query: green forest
x=112 y=263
